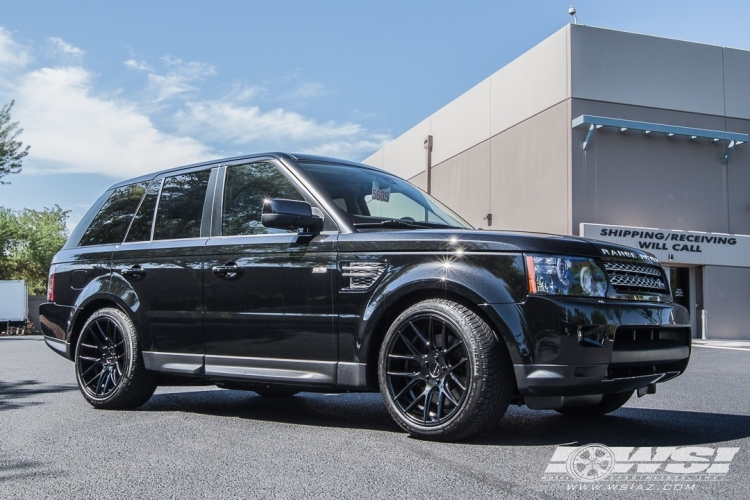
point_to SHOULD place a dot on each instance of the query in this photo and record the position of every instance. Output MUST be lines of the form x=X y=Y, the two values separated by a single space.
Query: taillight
x=51 y=285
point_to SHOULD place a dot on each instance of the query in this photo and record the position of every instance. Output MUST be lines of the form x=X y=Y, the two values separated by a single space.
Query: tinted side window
x=140 y=229
x=181 y=206
x=246 y=188
x=112 y=221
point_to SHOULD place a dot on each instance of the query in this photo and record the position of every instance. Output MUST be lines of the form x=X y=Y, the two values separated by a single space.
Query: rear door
x=158 y=270
x=269 y=294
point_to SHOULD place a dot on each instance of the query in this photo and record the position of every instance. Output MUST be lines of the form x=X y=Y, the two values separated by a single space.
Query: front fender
x=480 y=279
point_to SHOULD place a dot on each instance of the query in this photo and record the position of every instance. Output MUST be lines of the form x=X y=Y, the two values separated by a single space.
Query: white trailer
x=14 y=302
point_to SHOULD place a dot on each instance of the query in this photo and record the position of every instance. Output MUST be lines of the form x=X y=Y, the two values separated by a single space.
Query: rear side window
x=181 y=206
x=245 y=189
x=113 y=219
x=140 y=229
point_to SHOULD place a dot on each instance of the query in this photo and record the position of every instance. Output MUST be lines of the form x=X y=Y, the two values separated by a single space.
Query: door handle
x=136 y=272
x=229 y=271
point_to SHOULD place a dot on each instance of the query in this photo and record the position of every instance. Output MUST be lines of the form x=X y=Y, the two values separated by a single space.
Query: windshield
x=371 y=198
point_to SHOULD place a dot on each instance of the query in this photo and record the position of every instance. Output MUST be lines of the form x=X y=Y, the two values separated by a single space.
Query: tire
x=441 y=354
x=608 y=404
x=109 y=364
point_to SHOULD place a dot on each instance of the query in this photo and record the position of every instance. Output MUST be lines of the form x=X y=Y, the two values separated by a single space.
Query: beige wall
x=530 y=174
x=520 y=176
x=463 y=183
x=535 y=81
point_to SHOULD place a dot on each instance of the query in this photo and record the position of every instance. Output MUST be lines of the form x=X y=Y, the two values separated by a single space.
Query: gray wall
x=630 y=179
x=726 y=298
x=628 y=68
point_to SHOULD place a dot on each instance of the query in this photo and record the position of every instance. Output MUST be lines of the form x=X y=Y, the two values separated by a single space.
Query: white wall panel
x=535 y=81
x=375 y=159
x=406 y=156
x=462 y=124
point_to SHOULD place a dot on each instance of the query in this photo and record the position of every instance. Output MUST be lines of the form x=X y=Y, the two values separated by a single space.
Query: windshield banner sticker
x=378 y=194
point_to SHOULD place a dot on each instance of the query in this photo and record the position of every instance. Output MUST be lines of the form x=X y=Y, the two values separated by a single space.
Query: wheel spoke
x=92 y=334
x=431 y=336
x=441 y=401
x=416 y=400
x=428 y=403
x=460 y=363
x=99 y=384
x=119 y=368
x=458 y=382
x=406 y=389
x=448 y=350
x=410 y=345
x=419 y=334
x=99 y=327
x=89 y=369
x=450 y=397
x=403 y=374
x=87 y=358
x=405 y=356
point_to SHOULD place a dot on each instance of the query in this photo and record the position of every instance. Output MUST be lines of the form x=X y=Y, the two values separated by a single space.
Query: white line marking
x=722 y=347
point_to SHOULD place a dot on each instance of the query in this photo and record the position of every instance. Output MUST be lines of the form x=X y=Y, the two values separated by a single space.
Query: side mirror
x=290 y=215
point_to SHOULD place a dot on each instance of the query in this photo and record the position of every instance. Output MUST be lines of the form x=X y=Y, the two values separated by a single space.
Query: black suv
x=281 y=273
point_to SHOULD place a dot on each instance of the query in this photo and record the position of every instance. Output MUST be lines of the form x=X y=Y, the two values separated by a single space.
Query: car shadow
x=12 y=394
x=354 y=410
x=520 y=426
x=625 y=427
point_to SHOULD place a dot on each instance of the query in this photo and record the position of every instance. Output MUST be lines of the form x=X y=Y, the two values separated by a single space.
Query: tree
x=29 y=239
x=11 y=150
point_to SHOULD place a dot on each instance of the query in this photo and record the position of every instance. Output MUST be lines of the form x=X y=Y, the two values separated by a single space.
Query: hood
x=442 y=240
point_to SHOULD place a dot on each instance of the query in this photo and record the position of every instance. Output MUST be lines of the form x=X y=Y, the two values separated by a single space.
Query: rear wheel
x=608 y=404
x=442 y=373
x=109 y=364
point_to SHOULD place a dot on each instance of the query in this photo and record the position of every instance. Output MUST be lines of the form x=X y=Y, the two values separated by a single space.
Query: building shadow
x=520 y=426
x=13 y=394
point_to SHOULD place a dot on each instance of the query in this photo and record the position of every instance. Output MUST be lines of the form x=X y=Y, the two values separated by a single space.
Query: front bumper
x=581 y=347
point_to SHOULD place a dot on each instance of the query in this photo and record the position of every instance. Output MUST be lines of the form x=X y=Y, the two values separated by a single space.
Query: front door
x=269 y=294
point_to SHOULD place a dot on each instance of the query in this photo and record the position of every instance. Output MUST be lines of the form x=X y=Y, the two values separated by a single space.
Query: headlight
x=554 y=275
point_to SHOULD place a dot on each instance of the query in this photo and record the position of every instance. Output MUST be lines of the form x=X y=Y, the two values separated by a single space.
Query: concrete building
x=622 y=137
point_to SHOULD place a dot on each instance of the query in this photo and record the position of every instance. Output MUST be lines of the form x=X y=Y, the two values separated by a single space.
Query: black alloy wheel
x=109 y=364
x=442 y=373
x=427 y=370
x=101 y=357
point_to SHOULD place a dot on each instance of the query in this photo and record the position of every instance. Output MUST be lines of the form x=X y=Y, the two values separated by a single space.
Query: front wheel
x=109 y=364
x=608 y=404
x=442 y=373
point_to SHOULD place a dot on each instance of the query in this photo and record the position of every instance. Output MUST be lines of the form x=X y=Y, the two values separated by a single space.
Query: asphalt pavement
x=204 y=442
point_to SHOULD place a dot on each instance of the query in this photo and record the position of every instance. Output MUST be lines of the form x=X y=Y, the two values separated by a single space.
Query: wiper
x=402 y=224
x=393 y=223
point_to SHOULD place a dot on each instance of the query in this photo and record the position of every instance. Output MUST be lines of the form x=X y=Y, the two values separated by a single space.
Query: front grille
x=362 y=275
x=627 y=277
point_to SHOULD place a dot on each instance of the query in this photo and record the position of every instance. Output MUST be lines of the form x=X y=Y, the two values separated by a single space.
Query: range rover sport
x=281 y=273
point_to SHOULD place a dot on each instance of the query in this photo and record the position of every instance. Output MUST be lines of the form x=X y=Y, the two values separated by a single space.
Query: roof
x=279 y=155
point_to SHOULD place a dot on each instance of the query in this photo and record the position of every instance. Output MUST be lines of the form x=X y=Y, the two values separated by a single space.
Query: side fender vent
x=362 y=275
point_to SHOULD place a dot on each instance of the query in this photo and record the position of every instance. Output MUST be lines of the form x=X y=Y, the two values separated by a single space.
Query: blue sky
x=108 y=90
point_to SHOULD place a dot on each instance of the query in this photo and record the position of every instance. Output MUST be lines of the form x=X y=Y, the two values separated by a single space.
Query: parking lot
x=203 y=442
